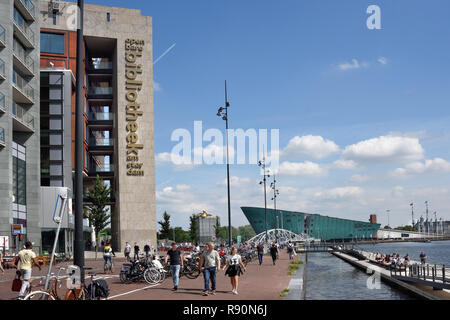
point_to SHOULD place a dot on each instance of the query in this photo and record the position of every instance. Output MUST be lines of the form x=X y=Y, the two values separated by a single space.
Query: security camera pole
x=78 y=236
x=223 y=112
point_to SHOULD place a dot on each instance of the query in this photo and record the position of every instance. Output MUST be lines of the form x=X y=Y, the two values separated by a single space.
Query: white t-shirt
x=233 y=260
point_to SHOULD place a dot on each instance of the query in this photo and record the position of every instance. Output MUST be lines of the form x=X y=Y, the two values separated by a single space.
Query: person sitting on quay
x=423 y=257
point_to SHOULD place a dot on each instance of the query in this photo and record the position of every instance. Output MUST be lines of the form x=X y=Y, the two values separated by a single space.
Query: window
x=52 y=43
x=108 y=17
x=54 y=18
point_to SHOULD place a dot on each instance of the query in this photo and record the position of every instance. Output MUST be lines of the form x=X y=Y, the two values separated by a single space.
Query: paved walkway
x=263 y=282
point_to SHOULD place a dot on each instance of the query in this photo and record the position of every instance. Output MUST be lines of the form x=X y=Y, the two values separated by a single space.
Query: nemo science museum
x=314 y=225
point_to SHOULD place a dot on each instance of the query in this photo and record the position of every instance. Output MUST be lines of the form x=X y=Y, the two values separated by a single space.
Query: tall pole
x=427 y=222
x=435 y=223
x=265 y=197
x=228 y=165
x=412 y=214
x=79 y=152
x=389 y=224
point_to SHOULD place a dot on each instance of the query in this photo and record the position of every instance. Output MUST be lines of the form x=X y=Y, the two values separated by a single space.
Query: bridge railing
x=425 y=272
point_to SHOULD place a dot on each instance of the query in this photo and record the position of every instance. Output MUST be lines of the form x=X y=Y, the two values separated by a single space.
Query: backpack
x=101 y=288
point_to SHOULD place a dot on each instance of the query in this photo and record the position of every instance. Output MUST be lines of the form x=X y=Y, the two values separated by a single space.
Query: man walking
x=147 y=251
x=260 y=250
x=127 y=251
x=27 y=259
x=176 y=263
x=274 y=252
x=209 y=265
x=136 y=251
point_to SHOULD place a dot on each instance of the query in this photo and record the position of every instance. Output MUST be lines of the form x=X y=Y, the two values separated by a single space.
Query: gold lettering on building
x=133 y=111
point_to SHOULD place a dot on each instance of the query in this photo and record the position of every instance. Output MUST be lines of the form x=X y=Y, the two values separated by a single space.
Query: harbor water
x=330 y=278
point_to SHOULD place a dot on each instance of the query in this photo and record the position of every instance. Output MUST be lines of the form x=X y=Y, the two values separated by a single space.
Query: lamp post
x=274 y=198
x=78 y=251
x=262 y=164
x=387 y=211
x=223 y=112
x=427 y=222
x=412 y=214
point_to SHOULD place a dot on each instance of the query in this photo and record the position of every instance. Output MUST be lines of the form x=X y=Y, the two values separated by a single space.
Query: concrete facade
x=19 y=84
x=133 y=211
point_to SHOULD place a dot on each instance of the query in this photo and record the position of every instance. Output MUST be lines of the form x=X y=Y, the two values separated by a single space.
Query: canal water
x=330 y=278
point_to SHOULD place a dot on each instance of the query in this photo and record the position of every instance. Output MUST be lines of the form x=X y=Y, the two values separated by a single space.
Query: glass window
x=52 y=42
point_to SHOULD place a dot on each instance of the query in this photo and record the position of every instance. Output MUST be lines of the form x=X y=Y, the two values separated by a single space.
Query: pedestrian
x=176 y=263
x=423 y=257
x=136 y=251
x=209 y=265
x=1 y=261
x=107 y=256
x=290 y=250
x=260 y=250
x=27 y=259
x=234 y=268
x=127 y=251
x=147 y=251
x=274 y=252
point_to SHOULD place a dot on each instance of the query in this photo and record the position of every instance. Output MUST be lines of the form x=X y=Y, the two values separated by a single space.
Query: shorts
x=234 y=270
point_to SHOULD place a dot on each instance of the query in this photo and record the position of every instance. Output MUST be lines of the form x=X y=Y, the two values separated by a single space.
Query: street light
x=223 y=112
x=389 y=224
x=274 y=198
x=262 y=164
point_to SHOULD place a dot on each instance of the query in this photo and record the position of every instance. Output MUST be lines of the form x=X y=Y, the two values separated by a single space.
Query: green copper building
x=314 y=225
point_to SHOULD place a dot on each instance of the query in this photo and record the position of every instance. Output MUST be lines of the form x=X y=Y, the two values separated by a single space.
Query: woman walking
x=234 y=267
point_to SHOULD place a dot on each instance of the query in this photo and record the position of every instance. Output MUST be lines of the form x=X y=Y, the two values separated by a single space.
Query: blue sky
x=375 y=101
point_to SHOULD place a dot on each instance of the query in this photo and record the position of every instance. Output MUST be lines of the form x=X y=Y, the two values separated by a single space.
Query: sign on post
x=239 y=239
x=17 y=229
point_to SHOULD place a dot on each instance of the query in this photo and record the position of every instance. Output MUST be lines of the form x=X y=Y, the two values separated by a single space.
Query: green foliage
x=97 y=210
x=246 y=232
x=408 y=228
x=180 y=234
x=193 y=225
x=165 y=226
x=387 y=227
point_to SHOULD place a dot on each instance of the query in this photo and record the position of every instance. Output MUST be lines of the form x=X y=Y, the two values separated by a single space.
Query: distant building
x=206 y=227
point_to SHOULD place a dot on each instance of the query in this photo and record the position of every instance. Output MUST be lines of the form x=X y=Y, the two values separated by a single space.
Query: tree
x=97 y=207
x=246 y=232
x=407 y=228
x=217 y=228
x=193 y=225
x=387 y=227
x=165 y=226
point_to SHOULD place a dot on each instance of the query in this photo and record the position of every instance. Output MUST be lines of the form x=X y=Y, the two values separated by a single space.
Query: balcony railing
x=100 y=90
x=2 y=102
x=22 y=25
x=2 y=34
x=29 y=5
x=20 y=113
x=21 y=53
x=23 y=85
x=2 y=136
x=99 y=65
x=2 y=67
x=102 y=168
x=101 y=142
x=100 y=116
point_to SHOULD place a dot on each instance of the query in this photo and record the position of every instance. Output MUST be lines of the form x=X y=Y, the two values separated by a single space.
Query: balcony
x=22 y=121
x=2 y=70
x=26 y=8
x=22 y=91
x=22 y=31
x=22 y=61
x=100 y=116
x=101 y=142
x=98 y=66
x=2 y=103
x=101 y=170
x=2 y=137
x=100 y=91
x=2 y=37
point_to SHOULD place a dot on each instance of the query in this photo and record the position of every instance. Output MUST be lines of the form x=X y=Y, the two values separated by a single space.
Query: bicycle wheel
x=39 y=295
x=152 y=276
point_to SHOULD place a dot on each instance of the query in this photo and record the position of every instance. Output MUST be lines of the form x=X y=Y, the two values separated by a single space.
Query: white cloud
x=385 y=148
x=309 y=146
x=355 y=64
x=382 y=60
x=359 y=178
x=436 y=165
x=156 y=86
x=345 y=164
x=339 y=193
x=236 y=181
x=306 y=168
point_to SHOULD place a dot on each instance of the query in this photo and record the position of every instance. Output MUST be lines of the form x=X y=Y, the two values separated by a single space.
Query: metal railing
x=20 y=22
x=2 y=67
x=29 y=5
x=99 y=64
x=2 y=34
x=434 y=275
x=102 y=168
x=20 y=113
x=20 y=52
x=23 y=85
x=2 y=135
x=101 y=142
x=100 y=90
x=100 y=116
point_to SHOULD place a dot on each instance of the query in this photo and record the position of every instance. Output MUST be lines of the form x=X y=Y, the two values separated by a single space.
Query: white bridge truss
x=281 y=234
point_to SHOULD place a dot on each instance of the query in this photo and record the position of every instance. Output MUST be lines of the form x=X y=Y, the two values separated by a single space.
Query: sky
x=362 y=114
